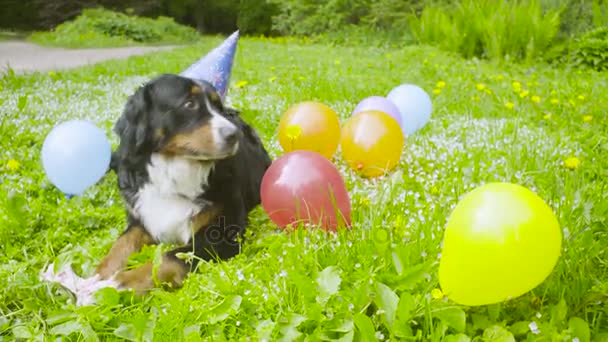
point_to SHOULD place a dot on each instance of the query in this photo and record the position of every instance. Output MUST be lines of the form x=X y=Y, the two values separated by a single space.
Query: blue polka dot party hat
x=216 y=66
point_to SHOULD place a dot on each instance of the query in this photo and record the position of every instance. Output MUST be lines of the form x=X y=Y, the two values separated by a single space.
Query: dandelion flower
x=436 y=294
x=509 y=105
x=293 y=132
x=337 y=62
x=587 y=118
x=524 y=93
x=536 y=99
x=480 y=86
x=241 y=84
x=516 y=86
x=547 y=116
x=572 y=163
x=441 y=84
x=13 y=165
x=437 y=91
x=554 y=101
x=581 y=97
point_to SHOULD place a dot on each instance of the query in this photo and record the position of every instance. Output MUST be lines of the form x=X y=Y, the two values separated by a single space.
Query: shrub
x=99 y=27
x=591 y=50
x=312 y=17
x=500 y=29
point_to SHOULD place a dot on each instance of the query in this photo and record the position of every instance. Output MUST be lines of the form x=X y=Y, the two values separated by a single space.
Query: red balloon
x=304 y=186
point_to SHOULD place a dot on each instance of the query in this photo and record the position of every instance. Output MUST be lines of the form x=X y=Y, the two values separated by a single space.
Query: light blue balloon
x=75 y=155
x=414 y=105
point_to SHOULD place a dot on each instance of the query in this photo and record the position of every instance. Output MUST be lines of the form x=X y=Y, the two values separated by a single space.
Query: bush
x=313 y=17
x=591 y=50
x=517 y=30
x=100 y=27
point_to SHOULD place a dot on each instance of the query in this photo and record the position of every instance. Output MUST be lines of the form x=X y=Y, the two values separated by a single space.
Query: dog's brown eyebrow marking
x=196 y=90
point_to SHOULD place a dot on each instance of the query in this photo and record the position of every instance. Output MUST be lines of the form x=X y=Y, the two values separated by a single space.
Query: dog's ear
x=132 y=126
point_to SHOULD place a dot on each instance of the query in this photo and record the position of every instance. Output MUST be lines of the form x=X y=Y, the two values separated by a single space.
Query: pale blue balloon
x=75 y=155
x=414 y=105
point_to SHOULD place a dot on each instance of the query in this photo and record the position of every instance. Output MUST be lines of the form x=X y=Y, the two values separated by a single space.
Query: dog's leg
x=131 y=241
x=171 y=270
x=141 y=279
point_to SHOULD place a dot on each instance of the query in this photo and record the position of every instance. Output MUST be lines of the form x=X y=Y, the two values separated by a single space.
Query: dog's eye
x=193 y=105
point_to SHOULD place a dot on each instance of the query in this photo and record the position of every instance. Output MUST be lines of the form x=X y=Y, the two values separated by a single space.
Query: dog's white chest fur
x=166 y=204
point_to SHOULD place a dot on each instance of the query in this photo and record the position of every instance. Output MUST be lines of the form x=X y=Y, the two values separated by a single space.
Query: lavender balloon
x=381 y=104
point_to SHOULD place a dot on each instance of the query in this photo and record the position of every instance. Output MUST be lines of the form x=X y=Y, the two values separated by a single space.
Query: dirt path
x=27 y=57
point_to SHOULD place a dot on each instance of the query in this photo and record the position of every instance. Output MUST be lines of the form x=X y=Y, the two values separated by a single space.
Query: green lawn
x=309 y=286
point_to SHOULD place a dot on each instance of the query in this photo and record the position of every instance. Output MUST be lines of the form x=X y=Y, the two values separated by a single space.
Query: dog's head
x=176 y=116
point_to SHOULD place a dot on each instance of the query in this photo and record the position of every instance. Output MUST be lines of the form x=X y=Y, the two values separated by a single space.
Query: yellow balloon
x=501 y=241
x=310 y=126
x=371 y=143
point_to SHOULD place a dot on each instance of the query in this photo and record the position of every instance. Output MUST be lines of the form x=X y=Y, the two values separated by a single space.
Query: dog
x=189 y=171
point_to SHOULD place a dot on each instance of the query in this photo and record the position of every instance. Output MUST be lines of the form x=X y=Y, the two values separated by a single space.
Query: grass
x=490 y=123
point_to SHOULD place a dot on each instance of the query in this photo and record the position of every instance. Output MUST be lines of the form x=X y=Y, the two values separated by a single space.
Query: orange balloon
x=371 y=143
x=310 y=126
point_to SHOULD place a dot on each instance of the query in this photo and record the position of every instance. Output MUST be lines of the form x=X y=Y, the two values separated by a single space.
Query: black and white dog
x=189 y=171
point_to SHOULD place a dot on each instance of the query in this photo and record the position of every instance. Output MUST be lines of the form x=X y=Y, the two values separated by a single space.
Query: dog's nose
x=229 y=135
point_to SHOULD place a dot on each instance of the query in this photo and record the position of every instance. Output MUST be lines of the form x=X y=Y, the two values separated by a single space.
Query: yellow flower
x=581 y=97
x=337 y=62
x=434 y=190
x=436 y=294
x=365 y=202
x=536 y=99
x=302 y=78
x=547 y=116
x=572 y=163
x=441 y=84
x=293 y=132
x=52 y=74
x=554 y=101
x=516 y=86
x=272 y=79
x=524 y=93
x=587 y=118
x=13 y=165
x=509 y=105
x=436 y=91
x=480 y=86
x=272 y=68
x=241 y=84
x=553 y=93
x=571 y=102
x=388 y=55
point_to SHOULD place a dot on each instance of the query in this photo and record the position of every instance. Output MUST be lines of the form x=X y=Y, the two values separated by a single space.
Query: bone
x=84 y=289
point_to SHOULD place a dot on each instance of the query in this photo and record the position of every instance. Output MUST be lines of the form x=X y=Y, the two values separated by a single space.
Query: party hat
x=216 y=66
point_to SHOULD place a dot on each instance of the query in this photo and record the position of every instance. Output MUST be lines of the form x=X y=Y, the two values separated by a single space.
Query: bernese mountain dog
x=189 y=170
